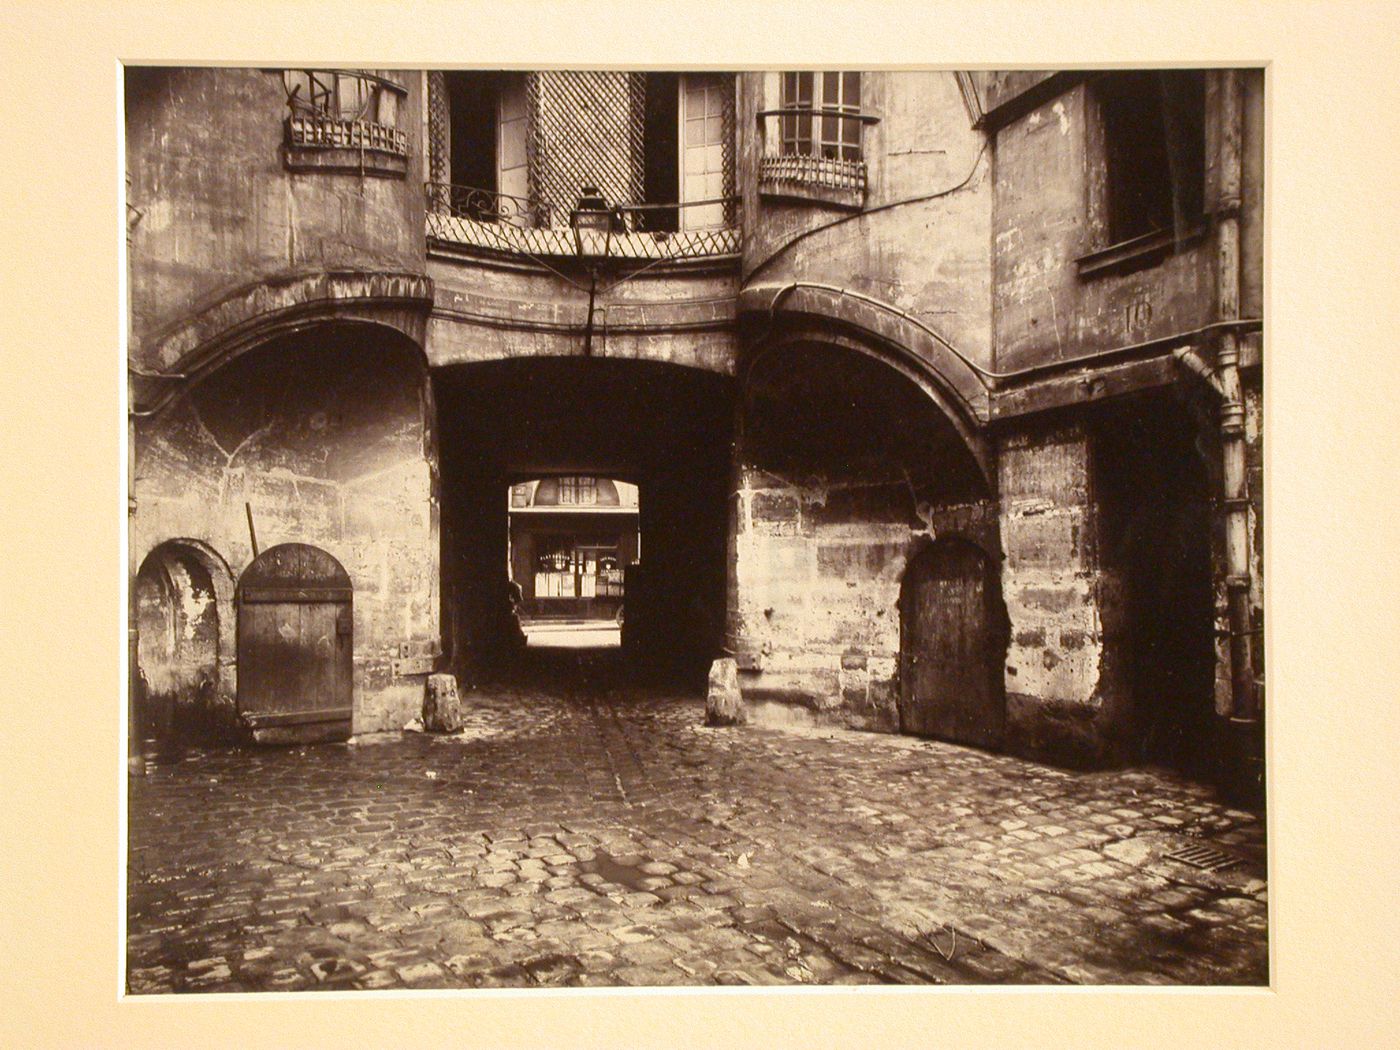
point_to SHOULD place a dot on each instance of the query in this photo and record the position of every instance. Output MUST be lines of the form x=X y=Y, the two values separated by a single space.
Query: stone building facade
x=943 y=391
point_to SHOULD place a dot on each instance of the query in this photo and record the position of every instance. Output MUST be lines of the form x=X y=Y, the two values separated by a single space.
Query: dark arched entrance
x=952 y=643
x=295 y=646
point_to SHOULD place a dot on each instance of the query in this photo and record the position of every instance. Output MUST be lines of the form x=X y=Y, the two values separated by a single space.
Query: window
x=334 y=112
x=814 y=148
x=830 y=131
x=1153 y=124
x=578 y=491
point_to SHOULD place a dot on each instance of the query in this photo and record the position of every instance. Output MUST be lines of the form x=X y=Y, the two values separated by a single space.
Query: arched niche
x=182 y=601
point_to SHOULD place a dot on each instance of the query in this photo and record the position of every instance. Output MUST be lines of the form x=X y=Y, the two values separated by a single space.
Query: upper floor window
x=1153 y=125
x=832 y=129
x=814 y=140
x=332 y=110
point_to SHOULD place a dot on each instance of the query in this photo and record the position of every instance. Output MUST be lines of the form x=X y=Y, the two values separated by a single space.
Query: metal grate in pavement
x=1208 y=858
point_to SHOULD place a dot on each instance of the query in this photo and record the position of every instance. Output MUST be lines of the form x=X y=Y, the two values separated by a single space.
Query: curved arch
x=258 y=313
x=886 y=330
x=966 y=426
x=152 y=396
x=290 y=565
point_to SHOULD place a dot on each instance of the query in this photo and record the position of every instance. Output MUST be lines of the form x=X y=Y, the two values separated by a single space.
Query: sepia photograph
x=631 y=528
x=626 y=524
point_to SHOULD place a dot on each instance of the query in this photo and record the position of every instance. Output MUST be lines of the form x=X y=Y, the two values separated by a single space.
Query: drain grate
x=1208 y=858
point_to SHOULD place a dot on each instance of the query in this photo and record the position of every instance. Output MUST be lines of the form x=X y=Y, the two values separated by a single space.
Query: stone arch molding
x=828 y=316
x=215 y=334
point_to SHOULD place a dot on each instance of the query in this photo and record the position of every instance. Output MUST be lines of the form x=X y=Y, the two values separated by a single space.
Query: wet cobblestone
x=611 y=839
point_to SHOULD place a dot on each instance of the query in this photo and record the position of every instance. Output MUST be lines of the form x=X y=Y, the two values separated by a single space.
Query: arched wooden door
x=952 y=643
x=295 y=646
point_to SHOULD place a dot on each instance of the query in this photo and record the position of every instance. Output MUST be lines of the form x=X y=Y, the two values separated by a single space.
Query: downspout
x=1245 y=705
x=1224 y=381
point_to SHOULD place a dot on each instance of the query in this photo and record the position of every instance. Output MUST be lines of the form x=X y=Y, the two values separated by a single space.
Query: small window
x=578 y=491
x=832 y=130
x=337 y=118
x=1154 y=151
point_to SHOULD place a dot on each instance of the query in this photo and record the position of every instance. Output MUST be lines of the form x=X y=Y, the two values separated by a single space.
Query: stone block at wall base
x=724 y=706
x=442 y=710
x=1078 y=736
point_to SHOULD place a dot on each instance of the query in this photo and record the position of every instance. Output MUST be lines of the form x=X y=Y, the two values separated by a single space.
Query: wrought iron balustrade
x=813 y=171
x=481 y=218
x=344 y=109
x=321 y=129
x=800 y=156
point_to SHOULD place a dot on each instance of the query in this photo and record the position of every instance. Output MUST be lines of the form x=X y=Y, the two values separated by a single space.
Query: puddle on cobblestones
x=625 y=870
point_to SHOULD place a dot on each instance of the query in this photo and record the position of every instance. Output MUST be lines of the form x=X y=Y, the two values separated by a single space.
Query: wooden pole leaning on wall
x=252 y=533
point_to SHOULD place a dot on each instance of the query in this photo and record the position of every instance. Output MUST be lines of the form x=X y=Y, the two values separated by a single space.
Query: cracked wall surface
x=325 y=437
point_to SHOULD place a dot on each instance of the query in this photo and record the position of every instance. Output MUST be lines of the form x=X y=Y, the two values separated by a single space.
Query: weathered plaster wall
x=931 y=258
x=213 y=209
x=328 y=440
x=815 y=607
x=1045 y=311
x=489 y=309
x=1065 y=690
x=815 y=584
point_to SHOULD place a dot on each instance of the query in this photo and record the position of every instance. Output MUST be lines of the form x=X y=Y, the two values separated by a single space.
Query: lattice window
x=585 y=129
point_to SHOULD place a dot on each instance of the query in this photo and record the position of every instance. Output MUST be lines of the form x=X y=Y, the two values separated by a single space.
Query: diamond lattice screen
x=439 y=141
x=585 y=130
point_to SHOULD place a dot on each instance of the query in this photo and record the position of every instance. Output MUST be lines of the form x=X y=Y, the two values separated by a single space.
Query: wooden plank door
x=952 y=641
x=295 y=646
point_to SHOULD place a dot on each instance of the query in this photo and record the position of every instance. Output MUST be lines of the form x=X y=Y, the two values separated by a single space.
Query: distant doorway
x=952 y=640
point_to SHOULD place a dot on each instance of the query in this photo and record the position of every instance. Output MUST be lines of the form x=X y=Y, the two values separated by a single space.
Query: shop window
x=578 y=491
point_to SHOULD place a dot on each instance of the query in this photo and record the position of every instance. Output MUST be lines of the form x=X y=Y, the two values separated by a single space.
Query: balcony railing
x=803 y=151
x=323 y=130
x=814 y=171
x=465 y=215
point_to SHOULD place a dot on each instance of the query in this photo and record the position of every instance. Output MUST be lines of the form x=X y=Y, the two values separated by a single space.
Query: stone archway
x=845 y=467
x=182 y=603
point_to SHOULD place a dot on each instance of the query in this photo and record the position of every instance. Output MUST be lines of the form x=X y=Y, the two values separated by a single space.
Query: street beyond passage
x=572 y=837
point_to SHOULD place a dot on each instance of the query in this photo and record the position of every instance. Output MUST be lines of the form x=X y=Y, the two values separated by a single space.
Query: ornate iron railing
x=344 y=109
x=813 y=171
x=810 y=165
x=320 y=129
x=481 y=218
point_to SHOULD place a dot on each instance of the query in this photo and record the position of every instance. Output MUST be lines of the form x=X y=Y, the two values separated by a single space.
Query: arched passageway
x=846 y=467
x=663 y=428
x=183 y=604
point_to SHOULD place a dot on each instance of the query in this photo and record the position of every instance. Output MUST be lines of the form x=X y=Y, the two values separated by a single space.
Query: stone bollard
x=723 y=704
x=442 y=711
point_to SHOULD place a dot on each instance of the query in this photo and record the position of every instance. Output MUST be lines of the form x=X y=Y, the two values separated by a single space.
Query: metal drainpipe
x=1244 y=713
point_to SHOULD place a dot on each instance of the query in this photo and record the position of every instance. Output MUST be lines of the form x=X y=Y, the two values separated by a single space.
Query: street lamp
x=590 y=217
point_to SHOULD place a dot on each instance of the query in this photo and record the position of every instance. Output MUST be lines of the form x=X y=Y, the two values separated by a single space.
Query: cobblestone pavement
x=608 y=838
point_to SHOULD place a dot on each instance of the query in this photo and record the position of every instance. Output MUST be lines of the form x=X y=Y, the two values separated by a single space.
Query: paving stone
x=755 y=857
